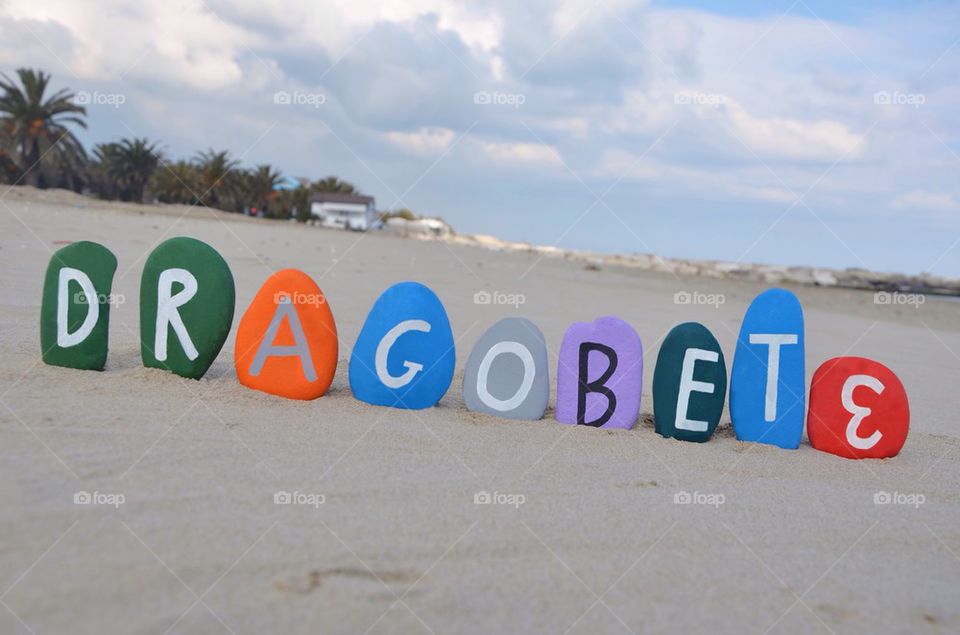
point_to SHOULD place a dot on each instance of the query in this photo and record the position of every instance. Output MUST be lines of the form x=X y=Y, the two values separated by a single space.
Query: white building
x=344 y=211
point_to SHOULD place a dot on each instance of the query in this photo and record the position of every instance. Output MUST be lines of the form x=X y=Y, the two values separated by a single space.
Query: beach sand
x=398 y=545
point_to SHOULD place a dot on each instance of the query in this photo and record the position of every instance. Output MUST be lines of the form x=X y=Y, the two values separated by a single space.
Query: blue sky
x=843 y=10
x=807 y=132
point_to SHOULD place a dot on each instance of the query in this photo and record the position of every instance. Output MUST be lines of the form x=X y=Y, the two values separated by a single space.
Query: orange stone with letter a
x=287 y=339
x=858 y=409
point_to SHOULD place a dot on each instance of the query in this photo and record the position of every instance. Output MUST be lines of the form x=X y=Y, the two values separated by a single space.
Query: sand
x=398 y=544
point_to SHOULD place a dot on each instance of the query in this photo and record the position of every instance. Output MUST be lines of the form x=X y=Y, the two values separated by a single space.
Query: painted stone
x=287 y=339
x=600 y=374
x=187 y=299
x=507 y=372
x=767 y=384
x=75 y=306
x=689 y=384
x=858 y=409
x=404 y=356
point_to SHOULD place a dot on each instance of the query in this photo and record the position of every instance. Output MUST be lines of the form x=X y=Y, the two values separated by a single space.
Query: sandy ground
x=398 y=545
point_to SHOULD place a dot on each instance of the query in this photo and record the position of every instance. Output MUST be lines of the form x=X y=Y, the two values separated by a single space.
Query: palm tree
x=260 y=186
x=300 y=203
x=123 y=170
x=214 y=180
x=8 y=167
x=134 y=163
x=101 y=171
x=176 y=183
x=43 y=146
x=334 y=184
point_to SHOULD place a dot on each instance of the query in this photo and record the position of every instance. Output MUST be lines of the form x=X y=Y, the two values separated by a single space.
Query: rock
x=287 y=339
x=858 y=409
x=600 y=374
x=767 y=383
x=824 y=278
x=187 y=299
x=689 y=384
x=404 y=356
x=418 y=227
x=75 y=306
x=507 y=372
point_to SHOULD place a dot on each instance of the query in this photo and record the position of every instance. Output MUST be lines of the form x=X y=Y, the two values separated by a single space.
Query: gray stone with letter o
x=507 y=373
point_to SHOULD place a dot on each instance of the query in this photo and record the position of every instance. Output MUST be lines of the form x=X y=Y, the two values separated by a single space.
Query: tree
x=136 y=161
x=100 y=171
x=176 y=183
x=300 y=202
x=38 y=127
x=334 y=184
x=8 y=167
x=124 y=169
x=216 y=185
x=260 y=186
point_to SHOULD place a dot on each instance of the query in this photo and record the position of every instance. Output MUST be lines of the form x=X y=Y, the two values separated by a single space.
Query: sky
x=801 y=132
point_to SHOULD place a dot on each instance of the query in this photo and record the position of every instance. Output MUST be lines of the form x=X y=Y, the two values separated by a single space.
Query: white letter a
x=300 y=347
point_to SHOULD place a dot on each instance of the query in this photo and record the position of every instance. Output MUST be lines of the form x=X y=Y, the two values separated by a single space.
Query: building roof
x=287 y=184
x=339 y=197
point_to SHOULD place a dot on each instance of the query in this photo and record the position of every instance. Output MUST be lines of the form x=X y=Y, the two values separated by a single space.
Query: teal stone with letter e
x=689 y=384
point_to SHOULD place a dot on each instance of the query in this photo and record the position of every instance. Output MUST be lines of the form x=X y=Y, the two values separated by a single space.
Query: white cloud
x=790 y=138
x=201 y=44
x=426 y=141
x=714 y=182
x=175 y=42
x=521 y=153
x=576 y=127
x=919 y=200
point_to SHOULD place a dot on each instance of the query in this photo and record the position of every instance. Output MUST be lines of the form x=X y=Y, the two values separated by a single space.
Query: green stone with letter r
x=187 y=299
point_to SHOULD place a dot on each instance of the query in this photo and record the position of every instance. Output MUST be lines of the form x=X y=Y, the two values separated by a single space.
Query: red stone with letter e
x=858 y=409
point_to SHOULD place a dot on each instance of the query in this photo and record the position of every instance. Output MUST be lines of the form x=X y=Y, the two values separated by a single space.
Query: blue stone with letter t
x=767 y=384
x=404 y=356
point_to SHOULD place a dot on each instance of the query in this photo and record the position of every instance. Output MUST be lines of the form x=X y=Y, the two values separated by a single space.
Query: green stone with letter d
x=75 y=306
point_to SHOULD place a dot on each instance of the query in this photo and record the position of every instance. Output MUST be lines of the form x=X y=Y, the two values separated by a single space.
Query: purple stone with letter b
x=600 y=374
